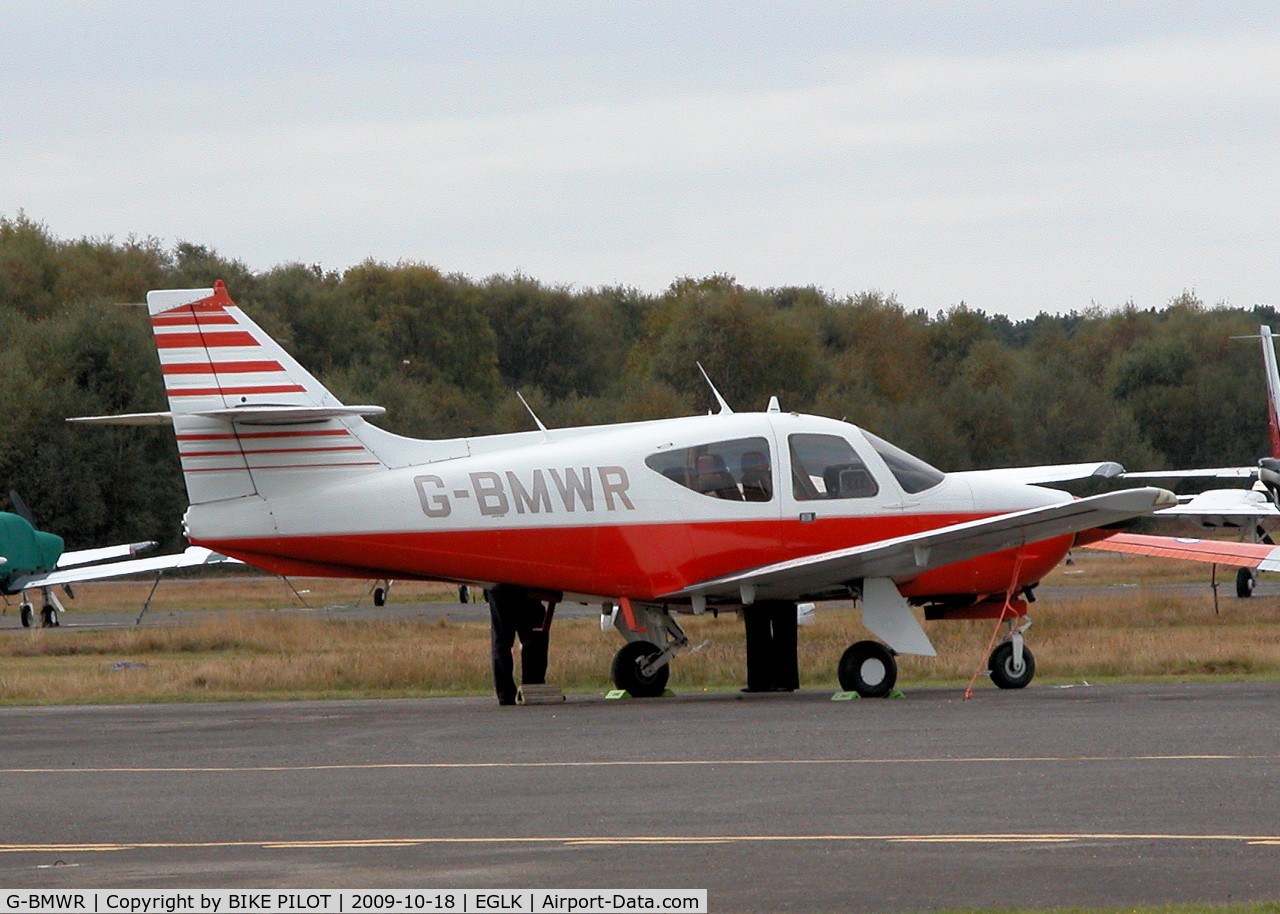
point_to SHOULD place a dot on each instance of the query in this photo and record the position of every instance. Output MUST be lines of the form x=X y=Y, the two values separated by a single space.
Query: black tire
x=626 y=670
x=1003 y=673
x=867 y=668
x=26 y=615
x=379 y=596
x=1246 y=581
x=49 y=617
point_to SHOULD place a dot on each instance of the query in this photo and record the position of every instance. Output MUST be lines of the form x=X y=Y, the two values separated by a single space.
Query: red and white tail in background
x=249 y=420
x=1273 y=388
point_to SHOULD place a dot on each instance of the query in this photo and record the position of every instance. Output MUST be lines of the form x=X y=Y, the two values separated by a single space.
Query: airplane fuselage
x=628 y=510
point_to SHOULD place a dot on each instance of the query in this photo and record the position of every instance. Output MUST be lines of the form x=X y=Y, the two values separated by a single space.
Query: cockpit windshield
x=912 y=473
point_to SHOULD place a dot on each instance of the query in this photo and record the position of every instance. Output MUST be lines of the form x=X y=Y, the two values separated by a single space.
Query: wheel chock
x=850 y=696
x=541 y=694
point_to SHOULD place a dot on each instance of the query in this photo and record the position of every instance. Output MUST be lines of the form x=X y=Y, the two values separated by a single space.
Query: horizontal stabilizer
x=242 y=415
x=165 y=418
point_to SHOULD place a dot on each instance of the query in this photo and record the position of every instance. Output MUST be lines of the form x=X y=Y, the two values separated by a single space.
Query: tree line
x=1150 y=388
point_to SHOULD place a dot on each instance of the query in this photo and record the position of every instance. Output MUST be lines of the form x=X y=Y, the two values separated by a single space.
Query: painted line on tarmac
x=634 y=763
x=645 y=840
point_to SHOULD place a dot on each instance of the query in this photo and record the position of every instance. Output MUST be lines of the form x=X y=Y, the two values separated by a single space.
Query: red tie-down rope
x=1005 y=610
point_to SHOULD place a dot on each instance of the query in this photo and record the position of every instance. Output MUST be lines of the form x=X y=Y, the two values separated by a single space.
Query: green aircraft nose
x=49 y=548
x=25 y=549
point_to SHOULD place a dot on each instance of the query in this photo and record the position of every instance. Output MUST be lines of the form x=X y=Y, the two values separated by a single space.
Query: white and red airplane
x=657 y=517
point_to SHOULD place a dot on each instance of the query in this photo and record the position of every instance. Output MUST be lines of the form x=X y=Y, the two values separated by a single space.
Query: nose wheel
x=868 y=668
x=1012 y=665
x=634 y=672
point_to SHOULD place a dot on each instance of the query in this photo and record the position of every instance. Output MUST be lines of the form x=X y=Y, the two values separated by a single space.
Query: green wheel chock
x=845 y=696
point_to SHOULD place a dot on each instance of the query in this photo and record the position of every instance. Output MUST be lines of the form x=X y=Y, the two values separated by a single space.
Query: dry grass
x=1095 y=635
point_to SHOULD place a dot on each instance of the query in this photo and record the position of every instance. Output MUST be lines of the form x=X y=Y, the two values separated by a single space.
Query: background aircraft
x=1253 y=511
x=725 y=511
x=32 y=559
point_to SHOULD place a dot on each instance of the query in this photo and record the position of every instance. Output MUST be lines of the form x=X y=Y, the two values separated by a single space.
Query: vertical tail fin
x=1273 y=388
x=248 y=418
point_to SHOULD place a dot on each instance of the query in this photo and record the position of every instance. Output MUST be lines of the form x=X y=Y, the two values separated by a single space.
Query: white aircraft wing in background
x=1061 y=472
x=104 y=554
x=190 y=558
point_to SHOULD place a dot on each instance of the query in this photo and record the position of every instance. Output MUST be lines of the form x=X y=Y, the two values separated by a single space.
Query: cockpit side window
x=826 y=466
x=912 y=473
x=735 y=470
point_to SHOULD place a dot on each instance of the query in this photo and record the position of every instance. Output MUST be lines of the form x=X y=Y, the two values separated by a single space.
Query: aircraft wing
x=190 y=558
x=1210 y=472
x=103 y=554
x=907 y=556
x=1060 y=472
x=1217 y=552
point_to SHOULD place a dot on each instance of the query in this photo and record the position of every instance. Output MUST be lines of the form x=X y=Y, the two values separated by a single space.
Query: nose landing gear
x=1011 y=664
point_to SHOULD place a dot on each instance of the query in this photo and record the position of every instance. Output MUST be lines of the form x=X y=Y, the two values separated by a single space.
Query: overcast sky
x=1017 y=156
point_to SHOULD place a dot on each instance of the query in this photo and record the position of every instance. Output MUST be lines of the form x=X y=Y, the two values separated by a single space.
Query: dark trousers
x=771 y=646
x=514 y=613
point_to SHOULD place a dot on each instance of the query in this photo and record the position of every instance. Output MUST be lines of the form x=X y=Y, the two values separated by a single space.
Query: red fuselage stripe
x=639 y=561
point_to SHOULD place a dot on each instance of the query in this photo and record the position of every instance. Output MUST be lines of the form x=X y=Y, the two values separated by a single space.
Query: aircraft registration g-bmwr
x=652 y=518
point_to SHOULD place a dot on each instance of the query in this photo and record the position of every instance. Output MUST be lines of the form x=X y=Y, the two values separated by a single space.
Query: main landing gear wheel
x=26 y=614
x=1246 y=581
x=49 y=617
x=1005 y=673
x=626 y=670
x=379 y=596
x=867 y=668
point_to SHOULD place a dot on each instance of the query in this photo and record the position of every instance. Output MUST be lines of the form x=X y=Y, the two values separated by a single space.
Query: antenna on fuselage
x=724 y=407
x=532 y=413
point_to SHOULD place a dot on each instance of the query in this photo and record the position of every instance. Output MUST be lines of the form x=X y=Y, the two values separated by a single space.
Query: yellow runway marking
x=640 y=840
x=633 y=764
